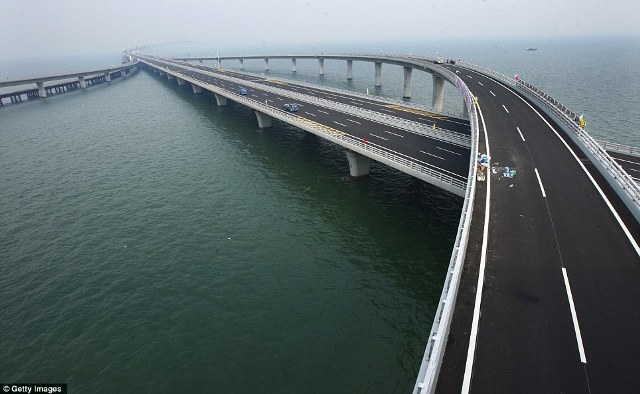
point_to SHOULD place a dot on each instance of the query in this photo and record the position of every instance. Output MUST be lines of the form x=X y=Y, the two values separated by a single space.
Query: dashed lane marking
x=520 y=132
x=377 y=136
x=494 y=95
x=540 y=183
x=430 y=154
x=505 y=108
x=309 y=113
x=353 y=121
x=397 y=135
x=341 y=124
x=447 y=150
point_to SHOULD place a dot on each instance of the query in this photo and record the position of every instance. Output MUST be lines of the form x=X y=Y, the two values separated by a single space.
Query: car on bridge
x=242 y=91
x=291 y=107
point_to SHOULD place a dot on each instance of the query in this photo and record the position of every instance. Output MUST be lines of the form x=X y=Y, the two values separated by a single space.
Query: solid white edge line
x=574 y=316
x=520 y=132
x=633 y=242
x=540 y=183
x=471 y=352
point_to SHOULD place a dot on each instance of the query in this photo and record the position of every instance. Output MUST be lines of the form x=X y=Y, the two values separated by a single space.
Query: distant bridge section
x=64 y=82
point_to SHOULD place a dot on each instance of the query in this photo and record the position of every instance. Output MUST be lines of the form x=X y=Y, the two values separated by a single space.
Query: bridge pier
x=41 y=91
x=438 y=93
x=293 y=65
x=407 y=82
x=196 y=89
x=220 y=100
x=321 y=64
x=170 y=76
x=378 y=74
x=107 y=77
x=241 y=64
x=349 y=70
x=181 y=81
x=266 y=64
x=264 y=120
x=465 y=110
x=359 y=165
x=161 y=72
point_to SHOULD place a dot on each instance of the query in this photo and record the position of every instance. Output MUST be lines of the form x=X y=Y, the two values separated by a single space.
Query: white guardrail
x=620 y=181
x=436 y=342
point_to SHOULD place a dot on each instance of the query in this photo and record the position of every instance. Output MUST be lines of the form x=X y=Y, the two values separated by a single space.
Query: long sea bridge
x=541 y=293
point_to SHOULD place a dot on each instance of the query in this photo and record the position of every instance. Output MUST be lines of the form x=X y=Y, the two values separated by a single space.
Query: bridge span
x=541 y=294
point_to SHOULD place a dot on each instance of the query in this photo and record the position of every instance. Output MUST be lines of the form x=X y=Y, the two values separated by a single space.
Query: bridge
x=62 y=82
x=541 y=293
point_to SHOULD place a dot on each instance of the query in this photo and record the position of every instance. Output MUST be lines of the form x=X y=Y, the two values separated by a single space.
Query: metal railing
x=620 y=148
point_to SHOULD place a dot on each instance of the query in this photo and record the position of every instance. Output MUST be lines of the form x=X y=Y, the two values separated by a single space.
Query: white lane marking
x=377 y=136
x=574 y=316
x=480 y=83
x=353 y=121
x=615 y=214
x=633 y=169
x=471 y=352
x=341 y=124
x=280 y=98
x=447 y=150
x=470 y=77
x=505 y=108
x=326 y=113
x=540 y=182
x=397 y=135
x=426 y=153
x=520 y=132
x=494 y=95
x=309 y=113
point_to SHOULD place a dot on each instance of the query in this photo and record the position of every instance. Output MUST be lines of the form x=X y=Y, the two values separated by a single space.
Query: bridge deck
x=548 y=227
x=449 y=158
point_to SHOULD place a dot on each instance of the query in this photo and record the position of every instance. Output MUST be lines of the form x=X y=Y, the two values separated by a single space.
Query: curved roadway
x=553 y=241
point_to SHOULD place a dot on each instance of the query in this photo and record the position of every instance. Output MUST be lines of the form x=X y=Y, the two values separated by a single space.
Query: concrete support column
x=438 y=93
x=41 y=91
x=241 y=64
x=107 y=77
x=266 y=64
x=162 y=72
x=200 y=60
x=170 y=76
x=83 y=83
x=349 y=70
x=264 y=120
x=465 y=110
x=196 y=89
x=359 y=165
x=293 y=65
x=321 y=63
x=407 y=82
x=220 y=100
x=180 y=81
x=378 y=74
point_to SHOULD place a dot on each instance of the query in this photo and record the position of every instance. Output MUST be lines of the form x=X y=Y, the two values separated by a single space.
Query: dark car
x=291 y=107
x=242 y=91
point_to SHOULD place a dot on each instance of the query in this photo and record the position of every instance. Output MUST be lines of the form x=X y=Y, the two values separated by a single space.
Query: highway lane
x=446 y=157
x=443 y=121
x=631 y=164
x=551 y=234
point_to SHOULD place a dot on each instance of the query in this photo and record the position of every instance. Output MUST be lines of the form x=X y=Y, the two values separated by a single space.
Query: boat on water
x=532 y=49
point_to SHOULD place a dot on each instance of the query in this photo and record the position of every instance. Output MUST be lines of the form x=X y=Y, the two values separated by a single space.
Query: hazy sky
x=81 y=26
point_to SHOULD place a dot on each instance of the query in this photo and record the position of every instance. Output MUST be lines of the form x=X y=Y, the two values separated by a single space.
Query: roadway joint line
x=574 y=317
x=540 y=183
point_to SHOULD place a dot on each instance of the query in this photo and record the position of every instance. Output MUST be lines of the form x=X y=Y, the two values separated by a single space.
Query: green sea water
x=151 y=241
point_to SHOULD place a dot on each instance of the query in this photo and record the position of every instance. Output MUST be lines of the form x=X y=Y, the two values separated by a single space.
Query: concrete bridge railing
x=624 y=185
x=437 y=340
